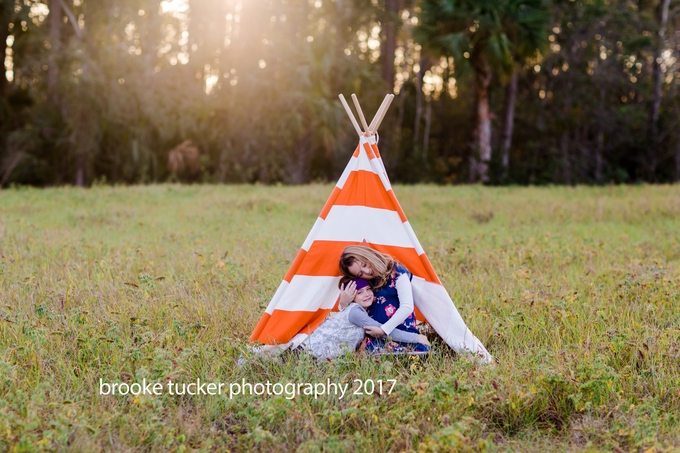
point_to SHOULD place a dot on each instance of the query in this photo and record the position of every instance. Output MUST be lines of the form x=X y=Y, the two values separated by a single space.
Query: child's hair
x=344 y=281
x=381 y=263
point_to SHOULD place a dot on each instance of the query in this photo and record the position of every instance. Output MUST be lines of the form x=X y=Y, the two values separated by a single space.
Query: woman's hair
x=381 y=263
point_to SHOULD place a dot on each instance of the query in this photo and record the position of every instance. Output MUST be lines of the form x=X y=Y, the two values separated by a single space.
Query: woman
x=393 y=303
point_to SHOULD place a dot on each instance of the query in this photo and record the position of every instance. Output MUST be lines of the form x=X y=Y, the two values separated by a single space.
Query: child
x=344 y=331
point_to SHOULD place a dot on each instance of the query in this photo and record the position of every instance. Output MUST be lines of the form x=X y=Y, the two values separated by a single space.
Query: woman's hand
x=347 y=294
x=375 y=332
x=422 y=339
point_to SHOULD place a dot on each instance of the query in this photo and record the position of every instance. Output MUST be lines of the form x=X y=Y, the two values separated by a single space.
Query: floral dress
x=385 y=305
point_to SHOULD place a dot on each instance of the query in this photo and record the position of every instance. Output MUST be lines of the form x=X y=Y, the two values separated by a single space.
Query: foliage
x=491 y=37
x=103 y=93
x=496 y=31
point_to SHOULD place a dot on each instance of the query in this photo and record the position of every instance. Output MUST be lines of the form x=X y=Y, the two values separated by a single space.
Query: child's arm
x=359 y=317
x=347 y=294
x=405 y=293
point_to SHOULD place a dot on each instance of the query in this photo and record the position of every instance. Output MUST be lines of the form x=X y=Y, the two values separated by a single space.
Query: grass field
x=575 y=291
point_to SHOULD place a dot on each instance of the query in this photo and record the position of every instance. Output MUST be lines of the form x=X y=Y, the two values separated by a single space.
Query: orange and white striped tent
x=362 y=209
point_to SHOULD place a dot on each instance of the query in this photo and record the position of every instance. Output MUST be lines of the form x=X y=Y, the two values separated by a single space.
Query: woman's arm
x=405 y=293
x=359 y=317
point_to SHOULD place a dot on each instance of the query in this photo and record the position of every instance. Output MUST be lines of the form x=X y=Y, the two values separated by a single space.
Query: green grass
x=575 y=291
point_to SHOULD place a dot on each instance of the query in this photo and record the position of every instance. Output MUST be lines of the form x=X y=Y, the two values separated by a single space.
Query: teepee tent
x=361 y=210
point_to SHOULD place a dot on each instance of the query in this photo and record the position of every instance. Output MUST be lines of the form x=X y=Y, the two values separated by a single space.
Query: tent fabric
x=361 y=210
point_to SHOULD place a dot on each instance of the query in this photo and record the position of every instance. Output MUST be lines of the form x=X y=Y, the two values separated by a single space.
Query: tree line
x=491 y=91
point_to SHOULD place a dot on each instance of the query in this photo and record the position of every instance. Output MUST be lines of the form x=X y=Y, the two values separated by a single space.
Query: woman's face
x=359 y=269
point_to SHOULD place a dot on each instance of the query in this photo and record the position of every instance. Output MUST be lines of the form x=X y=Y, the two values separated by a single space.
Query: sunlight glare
x=175 y=7
x=9 y=59
x=210 y=82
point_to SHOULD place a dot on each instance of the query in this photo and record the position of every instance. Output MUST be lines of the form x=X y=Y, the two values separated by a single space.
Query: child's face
x=364 y=297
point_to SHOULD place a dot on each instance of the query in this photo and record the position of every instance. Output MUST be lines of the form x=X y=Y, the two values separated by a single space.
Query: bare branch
x=674 y=11
x=72 y=19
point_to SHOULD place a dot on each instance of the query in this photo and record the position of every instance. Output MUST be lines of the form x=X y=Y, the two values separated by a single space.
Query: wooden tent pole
x=382 y=116
x=351 y=116
x=360 y=112
x=371 y=128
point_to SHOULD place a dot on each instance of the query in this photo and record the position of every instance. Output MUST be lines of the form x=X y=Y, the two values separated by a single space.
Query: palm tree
x=488 y=36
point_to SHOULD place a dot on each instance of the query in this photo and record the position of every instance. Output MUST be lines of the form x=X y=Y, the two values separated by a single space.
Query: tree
x=527 y=28
x=486 y=36
x=55 y=21
x=657 y=81
x=6 y=13
x=389 y=43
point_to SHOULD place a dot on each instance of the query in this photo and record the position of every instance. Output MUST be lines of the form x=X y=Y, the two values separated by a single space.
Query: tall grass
x=575 y=291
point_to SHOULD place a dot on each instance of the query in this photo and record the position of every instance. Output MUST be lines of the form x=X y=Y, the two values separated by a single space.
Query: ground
x=575 y=291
